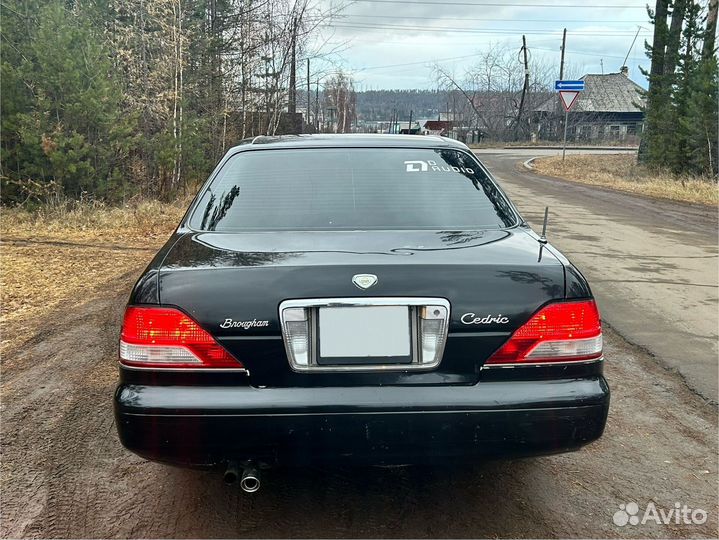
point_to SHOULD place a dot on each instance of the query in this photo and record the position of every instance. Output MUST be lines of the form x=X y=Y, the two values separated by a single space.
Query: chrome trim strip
x=246 y=338
x=158 y=368
x=365 y=301
x=544 y=364
x=478 y=334
x=362 y=301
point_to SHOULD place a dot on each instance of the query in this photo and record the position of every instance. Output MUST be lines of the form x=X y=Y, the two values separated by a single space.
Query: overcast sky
x=379 y=38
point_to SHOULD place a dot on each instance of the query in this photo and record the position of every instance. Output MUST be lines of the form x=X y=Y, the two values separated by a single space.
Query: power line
x=503 y=4
x=483 y=19
x=394 y=26
x=432 y=60
x=503 y=31
x=429 y=61
x=596 y=54
x=374 y=41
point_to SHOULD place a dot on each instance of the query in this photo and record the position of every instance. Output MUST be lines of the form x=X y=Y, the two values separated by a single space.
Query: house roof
x=437 y=124
x=612 y=93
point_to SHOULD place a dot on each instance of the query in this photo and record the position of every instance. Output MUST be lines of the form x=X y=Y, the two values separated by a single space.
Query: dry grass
x=92 y=221
x=64 y=254
x=621 y=172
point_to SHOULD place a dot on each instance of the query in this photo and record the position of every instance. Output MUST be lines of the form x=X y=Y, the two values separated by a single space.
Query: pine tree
x=68 y=131
x=681 y=107
x=695 y=99
x=657 y=95
x=702 y=117
x=114 y=97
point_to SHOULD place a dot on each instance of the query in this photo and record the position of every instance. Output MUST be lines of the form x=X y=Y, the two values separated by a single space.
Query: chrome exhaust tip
x=250 y=481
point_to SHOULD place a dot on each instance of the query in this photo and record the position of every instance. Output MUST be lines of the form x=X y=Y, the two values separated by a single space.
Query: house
x=415 y=129
x=609 y=109
x=437 y=127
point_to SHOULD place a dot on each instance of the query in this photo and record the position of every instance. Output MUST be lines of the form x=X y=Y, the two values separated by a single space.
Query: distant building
x=416 y=129
x=437 y=127
x=609 y=109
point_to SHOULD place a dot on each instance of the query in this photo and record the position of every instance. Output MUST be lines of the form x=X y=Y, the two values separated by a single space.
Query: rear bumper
x=203 y=426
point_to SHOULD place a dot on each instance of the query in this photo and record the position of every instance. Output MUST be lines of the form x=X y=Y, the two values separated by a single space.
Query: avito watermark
x=629 y=514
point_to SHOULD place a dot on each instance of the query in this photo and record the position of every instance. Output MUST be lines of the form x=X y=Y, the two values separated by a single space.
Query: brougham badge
x=364 y=281
x=245 y=325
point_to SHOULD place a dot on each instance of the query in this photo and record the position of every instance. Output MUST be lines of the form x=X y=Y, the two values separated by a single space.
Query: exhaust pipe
x=250 y=481
x=231 y=473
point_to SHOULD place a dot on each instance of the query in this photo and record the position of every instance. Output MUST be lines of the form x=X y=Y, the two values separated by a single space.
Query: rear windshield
x=351 y=189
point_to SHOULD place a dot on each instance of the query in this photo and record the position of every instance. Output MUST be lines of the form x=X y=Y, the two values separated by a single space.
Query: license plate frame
x=365 y=335
x=306 y=309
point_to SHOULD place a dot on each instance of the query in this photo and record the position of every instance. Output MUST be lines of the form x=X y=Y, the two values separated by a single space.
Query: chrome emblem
x=364 y=281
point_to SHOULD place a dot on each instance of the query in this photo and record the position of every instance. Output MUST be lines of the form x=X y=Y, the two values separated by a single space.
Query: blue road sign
x=576 y=86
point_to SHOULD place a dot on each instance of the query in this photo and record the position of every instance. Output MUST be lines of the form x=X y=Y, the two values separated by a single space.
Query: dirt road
x=64 y=473
x=653 y=265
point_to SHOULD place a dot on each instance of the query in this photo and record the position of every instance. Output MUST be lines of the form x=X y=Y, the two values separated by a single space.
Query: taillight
x=560 y=332
x=167 y=338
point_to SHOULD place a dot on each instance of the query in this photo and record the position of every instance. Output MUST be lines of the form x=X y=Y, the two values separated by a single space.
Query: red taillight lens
x=561 y=332
x=167 y=338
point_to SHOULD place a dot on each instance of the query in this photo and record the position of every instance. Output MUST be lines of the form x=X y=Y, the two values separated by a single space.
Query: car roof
x=350 y=140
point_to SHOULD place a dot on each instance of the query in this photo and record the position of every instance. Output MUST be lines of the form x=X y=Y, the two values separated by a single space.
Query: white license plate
x=364 y=331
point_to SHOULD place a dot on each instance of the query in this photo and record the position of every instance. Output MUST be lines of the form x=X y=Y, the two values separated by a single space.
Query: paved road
x=652 y=264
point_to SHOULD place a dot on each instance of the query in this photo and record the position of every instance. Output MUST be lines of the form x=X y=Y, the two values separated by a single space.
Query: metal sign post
x=564 y=144
x=568 y=94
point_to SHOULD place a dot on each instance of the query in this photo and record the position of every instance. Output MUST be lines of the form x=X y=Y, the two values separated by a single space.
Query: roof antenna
x=543 y=239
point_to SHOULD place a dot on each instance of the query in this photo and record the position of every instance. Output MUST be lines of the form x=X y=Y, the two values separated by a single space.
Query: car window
x=352 y=189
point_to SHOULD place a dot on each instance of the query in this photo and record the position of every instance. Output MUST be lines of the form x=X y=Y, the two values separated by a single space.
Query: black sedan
x=374 y=299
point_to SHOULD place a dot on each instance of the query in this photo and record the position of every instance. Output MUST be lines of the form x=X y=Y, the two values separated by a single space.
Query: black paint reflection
x=460 y=237
x=197 y=254
x=220 y=211
x=548 y=284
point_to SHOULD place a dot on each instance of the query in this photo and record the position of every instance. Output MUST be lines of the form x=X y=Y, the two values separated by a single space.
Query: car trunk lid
x=233 y=285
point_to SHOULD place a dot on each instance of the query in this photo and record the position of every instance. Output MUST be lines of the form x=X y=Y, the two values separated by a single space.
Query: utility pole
x=561 y=72
x=564 y=144
x=639 y=29
x=561 y=62
x=309 y=92
x=525 y=89
x=317 y=106
x=292 y=102
x=267 y=93
x=409 y=131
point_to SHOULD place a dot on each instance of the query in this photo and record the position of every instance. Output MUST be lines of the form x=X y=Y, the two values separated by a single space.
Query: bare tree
x=341 y=99
x=490 y=91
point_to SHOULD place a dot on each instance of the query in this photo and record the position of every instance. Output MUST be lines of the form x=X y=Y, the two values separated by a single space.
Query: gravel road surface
x=64 y=473
x=652 y=264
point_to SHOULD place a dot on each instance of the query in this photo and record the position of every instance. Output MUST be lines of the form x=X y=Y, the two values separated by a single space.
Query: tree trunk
x=180 y=94
x=708 y=49
x=659 y=41
x=674 y=37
